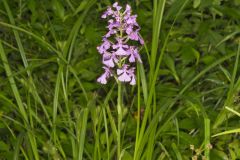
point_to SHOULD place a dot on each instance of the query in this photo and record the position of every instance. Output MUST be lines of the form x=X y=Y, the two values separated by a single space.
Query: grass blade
x=157 y=21
x=222 y=115
x=177 y=152
x=55 y=101
x=207 y=136
x=82 y=128
x=233 y=111
x=153 y=80
x=13 y=84
x=17 y=146
x=227 y=132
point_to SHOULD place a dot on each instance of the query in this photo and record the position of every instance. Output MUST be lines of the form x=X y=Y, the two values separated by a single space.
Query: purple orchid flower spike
x=118 y=56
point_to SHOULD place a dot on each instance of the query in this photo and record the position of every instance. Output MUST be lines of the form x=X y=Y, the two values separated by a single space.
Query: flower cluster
x=118 y=55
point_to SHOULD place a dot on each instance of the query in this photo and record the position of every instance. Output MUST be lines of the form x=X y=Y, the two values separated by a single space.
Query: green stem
x=138 y=113
x=207 y=136
x=119 y=108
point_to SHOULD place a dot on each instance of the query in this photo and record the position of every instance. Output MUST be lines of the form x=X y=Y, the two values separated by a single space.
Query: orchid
x=103 y=78
x=105 y=46
x=126 y=75
x=117 y=55
x=109 y=59
x=133 y=52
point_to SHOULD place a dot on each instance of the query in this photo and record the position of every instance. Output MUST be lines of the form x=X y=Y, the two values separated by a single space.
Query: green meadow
x=185 y=104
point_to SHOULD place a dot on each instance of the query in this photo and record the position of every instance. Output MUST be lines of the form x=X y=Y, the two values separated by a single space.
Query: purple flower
x=141 y=40
x=128 y=10
x=123 y=74
x=135 y=36
x=118 y=56
x=131 y=20
x=110 y=33
x=121 y=52
x=104 y=47
x=126 y=75
x=115 y=5
x=133 y=52
x=103 y=78
x=120 y=48
x=113 y=24
x=107 y=13
x=129 y=29
x=131 y=73
x=109 y=59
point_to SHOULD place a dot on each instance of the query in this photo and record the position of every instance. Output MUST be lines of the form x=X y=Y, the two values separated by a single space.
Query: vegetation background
x=185 y=105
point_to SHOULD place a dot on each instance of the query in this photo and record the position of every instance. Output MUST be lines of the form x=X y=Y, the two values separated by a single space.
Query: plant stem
x=138 y=112
x=119 y=108
x=207 y=136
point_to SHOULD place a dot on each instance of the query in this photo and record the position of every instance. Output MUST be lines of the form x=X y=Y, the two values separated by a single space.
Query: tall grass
x=68 y=116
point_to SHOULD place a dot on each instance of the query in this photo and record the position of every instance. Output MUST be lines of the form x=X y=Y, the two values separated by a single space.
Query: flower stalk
x=119 y=109
x=119 y=54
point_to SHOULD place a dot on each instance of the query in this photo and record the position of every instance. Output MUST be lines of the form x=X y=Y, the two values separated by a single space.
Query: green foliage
x=185 y=105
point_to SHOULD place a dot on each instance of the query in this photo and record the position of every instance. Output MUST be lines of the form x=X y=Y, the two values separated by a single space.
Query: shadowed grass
x=229 y=101
x=19 y=102
x=153 y=79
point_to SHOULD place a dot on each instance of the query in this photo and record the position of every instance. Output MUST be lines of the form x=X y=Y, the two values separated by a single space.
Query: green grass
x=187 y=91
